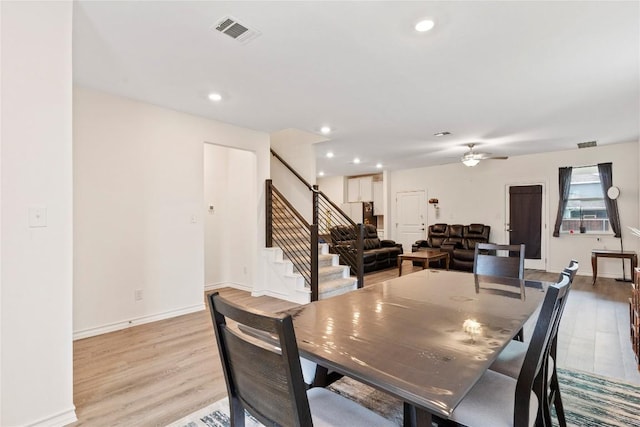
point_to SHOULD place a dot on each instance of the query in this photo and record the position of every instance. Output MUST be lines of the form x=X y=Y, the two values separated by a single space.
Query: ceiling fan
x=472 y=158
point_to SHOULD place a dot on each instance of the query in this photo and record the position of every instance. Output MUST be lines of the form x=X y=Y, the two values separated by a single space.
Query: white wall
x=230 y=186
x=139 y=187
x=477 y=194
x=333 y=187
x=296 y=148
x=37 y=355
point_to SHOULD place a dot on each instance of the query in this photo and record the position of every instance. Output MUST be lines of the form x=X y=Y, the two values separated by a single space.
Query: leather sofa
x=378 y=254
x=459 y=240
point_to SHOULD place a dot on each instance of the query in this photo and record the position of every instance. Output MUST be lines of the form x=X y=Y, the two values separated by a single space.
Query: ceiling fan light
x=470 y=162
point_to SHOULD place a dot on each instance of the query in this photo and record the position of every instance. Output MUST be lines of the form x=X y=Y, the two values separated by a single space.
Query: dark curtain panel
x=606 y=179
x=525 y=218
x=564 y=178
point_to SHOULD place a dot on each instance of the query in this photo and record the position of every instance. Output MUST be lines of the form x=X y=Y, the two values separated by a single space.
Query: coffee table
x=425 y=256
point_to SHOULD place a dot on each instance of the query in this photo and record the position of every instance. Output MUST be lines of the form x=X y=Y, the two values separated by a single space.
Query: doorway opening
x=230 y=225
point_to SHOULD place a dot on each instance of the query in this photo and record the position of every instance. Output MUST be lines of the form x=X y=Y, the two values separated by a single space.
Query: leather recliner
x=458 y=240
x=377 y=254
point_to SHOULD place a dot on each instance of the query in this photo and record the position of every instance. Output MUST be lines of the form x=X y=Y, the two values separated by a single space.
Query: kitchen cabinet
x=360 y=189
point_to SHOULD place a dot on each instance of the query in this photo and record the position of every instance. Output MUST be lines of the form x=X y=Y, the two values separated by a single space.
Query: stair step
x=332 y=272
x=336 y=287
x=326 y=260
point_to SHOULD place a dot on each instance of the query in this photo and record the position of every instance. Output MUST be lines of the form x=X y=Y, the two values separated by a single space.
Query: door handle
x=509 y=230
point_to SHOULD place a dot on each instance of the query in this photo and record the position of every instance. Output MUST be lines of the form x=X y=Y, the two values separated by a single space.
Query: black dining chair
x=510 y=360
x=498 y=400
x=266 y=380
x=500 y=260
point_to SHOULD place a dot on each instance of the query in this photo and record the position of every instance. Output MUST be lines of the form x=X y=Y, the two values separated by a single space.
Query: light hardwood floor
x=153 y=374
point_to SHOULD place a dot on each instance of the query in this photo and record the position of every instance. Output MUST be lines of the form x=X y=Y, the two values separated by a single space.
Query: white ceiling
x=513 y=77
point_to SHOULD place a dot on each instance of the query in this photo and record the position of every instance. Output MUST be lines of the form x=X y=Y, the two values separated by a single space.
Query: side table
x=604 y=253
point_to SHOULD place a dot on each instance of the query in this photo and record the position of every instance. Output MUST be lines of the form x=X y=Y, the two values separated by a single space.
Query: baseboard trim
x=239 y=286
x=62 y=419
x=91 y=332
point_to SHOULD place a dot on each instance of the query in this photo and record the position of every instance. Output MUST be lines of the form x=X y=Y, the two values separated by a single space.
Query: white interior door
x=411 y=218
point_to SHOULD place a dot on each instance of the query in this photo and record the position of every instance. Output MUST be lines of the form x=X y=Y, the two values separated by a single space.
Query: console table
x=604 y=253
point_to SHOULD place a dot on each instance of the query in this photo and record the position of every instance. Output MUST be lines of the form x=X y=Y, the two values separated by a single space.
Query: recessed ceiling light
x=325 y=130
x=424 y=25
x=356 y=160
x=320 y=173
x=215 y=97
x=329 y=154
x=379 y=165
x=445 y=133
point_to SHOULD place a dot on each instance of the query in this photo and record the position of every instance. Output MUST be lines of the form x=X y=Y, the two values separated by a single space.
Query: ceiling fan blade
x=497 y=158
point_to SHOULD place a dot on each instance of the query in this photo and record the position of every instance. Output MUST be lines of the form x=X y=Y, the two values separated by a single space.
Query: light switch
x=37 y=217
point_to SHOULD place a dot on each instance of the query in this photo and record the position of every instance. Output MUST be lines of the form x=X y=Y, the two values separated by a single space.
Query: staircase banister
x=290 y=206
x=337 y=208
x=293 y=171
x=311 y=187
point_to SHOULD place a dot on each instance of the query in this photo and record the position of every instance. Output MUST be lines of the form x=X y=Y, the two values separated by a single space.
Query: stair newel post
x=360 y=255
x=268 y=213
x=314 y=246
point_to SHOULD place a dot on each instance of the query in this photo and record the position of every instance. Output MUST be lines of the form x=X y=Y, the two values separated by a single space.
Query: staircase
x=333 y=278
x=290 y=258
x=299 y=266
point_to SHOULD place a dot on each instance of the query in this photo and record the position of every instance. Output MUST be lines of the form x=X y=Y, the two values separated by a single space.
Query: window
x=585 y=211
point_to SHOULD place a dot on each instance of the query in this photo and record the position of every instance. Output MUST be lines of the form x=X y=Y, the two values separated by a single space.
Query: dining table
x=424 y=338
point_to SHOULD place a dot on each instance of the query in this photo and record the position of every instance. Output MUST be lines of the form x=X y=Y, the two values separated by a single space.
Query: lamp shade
x=470 y=162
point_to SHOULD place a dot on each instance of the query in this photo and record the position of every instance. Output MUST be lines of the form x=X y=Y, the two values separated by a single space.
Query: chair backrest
x=570 y=272
x=538 y=351
x=264 y=379
x=487 y=261
x=438 y=234
x=572 y=269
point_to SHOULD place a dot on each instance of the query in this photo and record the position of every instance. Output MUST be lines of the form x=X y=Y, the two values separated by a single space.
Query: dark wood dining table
x=425 y=338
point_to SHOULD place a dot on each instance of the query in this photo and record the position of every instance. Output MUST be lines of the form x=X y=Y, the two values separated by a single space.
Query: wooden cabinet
x=360 y=189
x=634 y=315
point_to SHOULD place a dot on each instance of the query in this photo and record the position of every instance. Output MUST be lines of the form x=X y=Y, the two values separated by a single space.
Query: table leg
x=594 y=267
x=447 y=261
x=399 y=266
x=415 y=417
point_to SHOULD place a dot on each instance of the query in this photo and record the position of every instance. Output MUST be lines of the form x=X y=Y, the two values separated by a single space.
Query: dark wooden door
x=525 y=219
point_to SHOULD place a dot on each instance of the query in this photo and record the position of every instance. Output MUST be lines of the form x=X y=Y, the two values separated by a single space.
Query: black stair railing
x=327 y=220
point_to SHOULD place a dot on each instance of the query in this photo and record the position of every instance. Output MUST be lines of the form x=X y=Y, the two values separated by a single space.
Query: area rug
x=589 y=401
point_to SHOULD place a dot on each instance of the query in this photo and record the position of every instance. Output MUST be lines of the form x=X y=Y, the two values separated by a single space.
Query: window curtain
x=606 y=180
x=564 y=178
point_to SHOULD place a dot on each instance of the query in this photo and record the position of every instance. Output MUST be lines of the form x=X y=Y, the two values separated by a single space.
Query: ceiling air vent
x=234 y=29
x=586 y=144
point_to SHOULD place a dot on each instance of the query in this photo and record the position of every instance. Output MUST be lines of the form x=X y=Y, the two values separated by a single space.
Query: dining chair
x=510 y=360
x=266 y=380
x=487 y=260
x=499 y=400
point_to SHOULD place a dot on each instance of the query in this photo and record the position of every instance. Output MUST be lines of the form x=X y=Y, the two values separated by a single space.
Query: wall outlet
x=137 y=295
